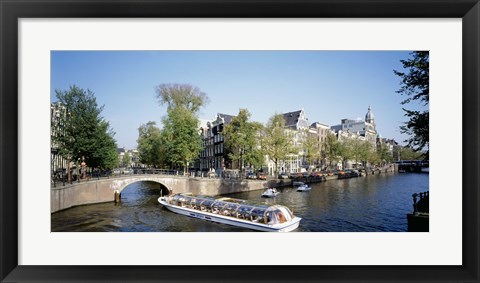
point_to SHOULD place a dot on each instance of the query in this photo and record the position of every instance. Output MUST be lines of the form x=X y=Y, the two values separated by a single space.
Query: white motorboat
x=303 y=188
x=270 y=193
x=275 y=218
x=298 y=183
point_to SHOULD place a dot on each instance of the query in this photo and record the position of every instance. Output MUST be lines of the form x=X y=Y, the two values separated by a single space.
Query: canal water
x=377 y=203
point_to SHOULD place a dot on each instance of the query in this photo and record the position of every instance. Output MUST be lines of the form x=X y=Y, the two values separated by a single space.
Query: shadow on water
x=366 y=204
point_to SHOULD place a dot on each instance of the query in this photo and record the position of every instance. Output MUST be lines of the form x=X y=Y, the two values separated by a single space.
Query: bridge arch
x=166 y=186
x=171 y=183
x=164 y=189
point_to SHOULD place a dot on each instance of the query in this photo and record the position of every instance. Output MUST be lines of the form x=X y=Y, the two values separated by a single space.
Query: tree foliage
x=241 y=140
x=180 y=136
x=182 y=141
x=181 y=95
x=345 y=151
x=415 y=85
x=256 y=158
x=360 y=150
x=151 y=149
x=311 y=148
x=276 y=142
x=81 y=131
x=126 y=161
x=383 y=153
x=332 y=149
x=407 y=153
x=104 y=153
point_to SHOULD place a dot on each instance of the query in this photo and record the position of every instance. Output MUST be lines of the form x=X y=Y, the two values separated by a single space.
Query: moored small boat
x=275 y=218
x=298 y=183
x=303 y=188
x=270 y=193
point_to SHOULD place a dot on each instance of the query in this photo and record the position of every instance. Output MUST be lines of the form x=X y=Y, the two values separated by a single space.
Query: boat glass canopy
x=240 y=209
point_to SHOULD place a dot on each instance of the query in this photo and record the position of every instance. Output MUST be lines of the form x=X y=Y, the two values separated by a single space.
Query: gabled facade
x=296 y=125
x=321 y=131
x=296 y=120
x=57 y=115
x=214 y=157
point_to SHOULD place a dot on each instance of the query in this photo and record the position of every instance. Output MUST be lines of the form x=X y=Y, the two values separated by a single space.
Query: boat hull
x=284 y=227
x=270 y=195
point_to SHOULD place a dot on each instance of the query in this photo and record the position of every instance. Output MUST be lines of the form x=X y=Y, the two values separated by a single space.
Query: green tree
x=181 y=95
x=311 y=147
x=331 y=149
x=415 y=85
x=241 y=140
x=277 y=142
x=345 y=150
x=367 y=151
x=360 y=150
x=256 y=158
x=126 y=160
x=373 y=158
x=182 y=141
x=104 y=153
x=180 y=125
x=407 y=153
x=384 y=154
x=356 y=149
x=150 y=145
x=82 y=132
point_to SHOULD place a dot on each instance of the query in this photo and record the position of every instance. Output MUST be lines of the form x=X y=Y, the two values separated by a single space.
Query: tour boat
x=270 y=193
x=298 y=183
x=303 y=188
x=275 y=218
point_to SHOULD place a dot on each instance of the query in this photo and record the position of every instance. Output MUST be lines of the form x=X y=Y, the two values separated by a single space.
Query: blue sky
x=328 y=85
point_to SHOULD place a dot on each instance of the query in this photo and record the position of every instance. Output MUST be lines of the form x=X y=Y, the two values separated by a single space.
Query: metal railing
x=422 y=203
x=61 y=180
x=57 y=180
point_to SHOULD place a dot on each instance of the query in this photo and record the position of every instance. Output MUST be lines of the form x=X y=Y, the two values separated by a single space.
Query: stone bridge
x=103 y=190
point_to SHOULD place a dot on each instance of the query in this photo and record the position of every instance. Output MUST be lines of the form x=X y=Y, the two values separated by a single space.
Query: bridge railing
x=144 y=171
x=57 y=180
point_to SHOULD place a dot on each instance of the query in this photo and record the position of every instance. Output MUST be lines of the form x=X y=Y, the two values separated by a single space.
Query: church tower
x=369 y=117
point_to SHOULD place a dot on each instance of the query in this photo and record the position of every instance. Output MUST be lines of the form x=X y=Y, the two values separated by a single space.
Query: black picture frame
x=11 y=11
